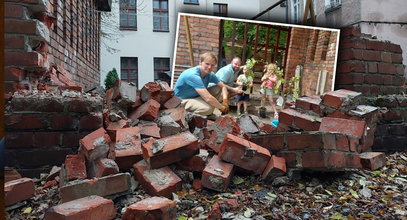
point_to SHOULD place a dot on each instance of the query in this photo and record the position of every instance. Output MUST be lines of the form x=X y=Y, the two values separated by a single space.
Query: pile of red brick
x=147 y=130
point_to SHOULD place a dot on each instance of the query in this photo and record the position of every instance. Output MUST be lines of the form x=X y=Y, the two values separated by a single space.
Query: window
x=331 y=5
x=220 y=9
x=160 y=13
x=194 y=2
x=296 y=11
x=161 y=66
x=128 y=15
x=129 y=69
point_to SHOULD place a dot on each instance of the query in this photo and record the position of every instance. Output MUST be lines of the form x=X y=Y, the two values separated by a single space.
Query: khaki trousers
x=198 y=105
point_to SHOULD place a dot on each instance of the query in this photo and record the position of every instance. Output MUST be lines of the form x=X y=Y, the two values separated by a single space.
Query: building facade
x=143 y=32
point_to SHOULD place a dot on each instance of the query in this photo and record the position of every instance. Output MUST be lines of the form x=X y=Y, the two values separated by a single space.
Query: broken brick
x=168 y=126
x=168 y=150
x=372 y=160
x=305 y=140
x=217 y=131
x=307 y=122
x=150 y=129
x=103 y=167
x=197 y=184
x=160 y=92
x=124 y=93
x=173 y=102
x=11 y=174
x=91 y=207
x=275 y=168
x=195 y=163
x=217 y=174
x=178 y=114
x=147 y=111
x=157 y=182
x=103 y=186
x=343 y=126
x=244 y=154
x=309 y=103
x=247 y=124
x=286 y=116
x=95 y=145
x=114 y=126
x=195 y=121
x=341 y=97
x=18 y=190
x=151 y=208
x=75 y=167
x=128 y=147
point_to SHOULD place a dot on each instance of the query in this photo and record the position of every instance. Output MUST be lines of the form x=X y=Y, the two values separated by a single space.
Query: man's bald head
x=236 y=63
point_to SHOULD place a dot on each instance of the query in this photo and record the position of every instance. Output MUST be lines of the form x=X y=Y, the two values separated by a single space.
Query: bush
x=111 y=78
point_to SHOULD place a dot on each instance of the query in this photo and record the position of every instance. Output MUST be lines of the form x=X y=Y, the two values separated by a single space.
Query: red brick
x=95 y=145
x=313 y=160
x=14 y=42
x=350 y=32
x=352 y=161
x=149 y=130
x=270 y=142
x=396 y=58
x=195 y=163
x=351 y=54
x=18 y=190
x=125 y=93
x=20 y=26
x=113 y=127
x=369 y=55
x=338 y=114
x=335 y=160
x=386 y=57
x=151 y=208
x=91 y=207
x=217 y=174
x=157 y=182
x=104 y=186
x=304 y=141
x=173 y=102
x=354 y=144
x=47 y=139
x=386 y=68
x=197 y=184
x=91 y=121
x=13 y=11
x=395 y=48
x=353 y=66
x=147 y=111
x=128 y=147
x=343 y=126
x=287 y=115
x=267 y=128
x=373 y=79
x=13 y=74
x=18 y=139
x=342 y=143
x=372 y=67
x=337 y=98
x=244 y=154
x=307 y=122
x=25 y=59
x=218 y=129
x=25 y=121
x=329 y=140
x=178 y=114
x=275 y=168
x=78 y=106
x=154 y=90
x=196 y=121
x=174 y=148
x=375 y=45
x=103 y=167
x=11 y=174
x=71 y=139
x=75 y=167
x=309 y=103
x=372 y=160
x=345 y=43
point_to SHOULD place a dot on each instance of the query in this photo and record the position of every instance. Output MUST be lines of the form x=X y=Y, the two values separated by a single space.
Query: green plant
x=250 y=63
x=111 y=78
x=289 y=85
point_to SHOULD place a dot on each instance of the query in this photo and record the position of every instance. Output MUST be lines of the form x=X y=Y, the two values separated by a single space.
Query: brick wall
x=315 y=50
x=50 y=42
x=204 y=38
x=41 y=129
x=369 y=66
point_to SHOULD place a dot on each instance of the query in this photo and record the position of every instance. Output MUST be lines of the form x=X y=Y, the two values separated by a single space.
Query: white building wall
x=146 y=44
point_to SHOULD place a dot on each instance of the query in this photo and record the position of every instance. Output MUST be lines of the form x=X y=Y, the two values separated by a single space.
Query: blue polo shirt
x=191 y=79
x=227 y=75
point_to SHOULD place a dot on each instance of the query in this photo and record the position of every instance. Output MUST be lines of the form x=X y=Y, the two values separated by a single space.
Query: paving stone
x=91 y=208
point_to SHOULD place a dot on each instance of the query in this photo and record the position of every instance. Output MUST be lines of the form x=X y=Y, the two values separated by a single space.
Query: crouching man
x=192 y=87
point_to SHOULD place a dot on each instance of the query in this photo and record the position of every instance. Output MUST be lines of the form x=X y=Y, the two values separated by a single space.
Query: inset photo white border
x=310 y=53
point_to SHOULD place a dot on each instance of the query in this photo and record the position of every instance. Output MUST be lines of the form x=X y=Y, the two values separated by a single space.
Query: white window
x=331 y=4
x=296 y=11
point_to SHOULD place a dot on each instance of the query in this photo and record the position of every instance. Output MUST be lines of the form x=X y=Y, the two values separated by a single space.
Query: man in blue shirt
x=192 y=87
x=226 y=74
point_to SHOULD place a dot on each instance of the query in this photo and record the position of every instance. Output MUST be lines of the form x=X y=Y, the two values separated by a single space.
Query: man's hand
x=238 y=90
x=224 y=109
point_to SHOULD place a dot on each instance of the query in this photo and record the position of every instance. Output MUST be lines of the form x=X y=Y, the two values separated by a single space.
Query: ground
x=355 y=194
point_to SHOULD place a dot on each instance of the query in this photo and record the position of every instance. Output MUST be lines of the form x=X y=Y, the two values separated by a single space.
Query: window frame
x=161 y=67
x=332 y=5
x=160 y=10
x=296 y=10
x=219 y=7
x=127 y=7
x=128 y=69
x=191 y=2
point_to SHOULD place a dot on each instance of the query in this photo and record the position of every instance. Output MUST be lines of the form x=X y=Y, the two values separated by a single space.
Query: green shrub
x=111 y=78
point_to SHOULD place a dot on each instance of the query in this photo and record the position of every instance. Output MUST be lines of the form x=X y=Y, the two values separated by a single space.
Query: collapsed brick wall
x=204 y=38
x=315 y=50
x=41 y=129
x=43 y=37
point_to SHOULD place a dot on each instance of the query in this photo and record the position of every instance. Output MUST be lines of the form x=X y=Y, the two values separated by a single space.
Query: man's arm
x=223 y=85
x=208 y=98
